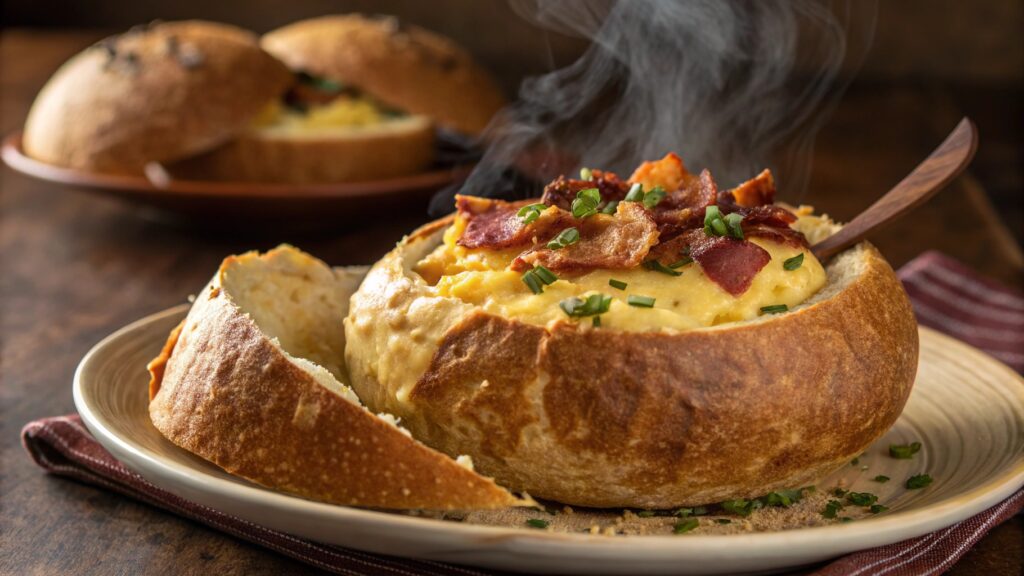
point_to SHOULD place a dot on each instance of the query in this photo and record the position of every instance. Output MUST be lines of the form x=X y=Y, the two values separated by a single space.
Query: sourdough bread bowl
x=252 y=380
x=709 y=392
x=369 y=95
x=153 y=94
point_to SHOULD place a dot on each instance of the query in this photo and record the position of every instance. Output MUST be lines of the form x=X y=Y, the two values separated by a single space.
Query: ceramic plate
x=215 y=201
x=966 y=408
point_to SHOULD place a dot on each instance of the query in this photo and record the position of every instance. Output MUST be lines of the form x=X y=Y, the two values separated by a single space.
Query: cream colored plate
x=967 y=409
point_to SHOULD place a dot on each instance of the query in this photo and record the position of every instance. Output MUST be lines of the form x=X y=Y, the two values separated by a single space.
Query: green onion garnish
x=878 y=508
x=881 y=479
x=918 y=481
x=537 y=523
x=904 y=451
x=680 y=263
x=611 y=207
x=685 y=525
x=564 y=238
x=617 y=284
x=732 y=223
x=838 y=492
x=594 y=304
x=586 y=174
x=645 y=513
x=832 y=508
x=530 y=279
x=861 y=498
x=596 y=321
x=659 y=267
x=794 y=262
x=586 y=202
x=635 y=194
x=740 y=506
x=640 y=301
x=531 y=212
x=774 y=309
x=652 y=198
x=546 y=276
x=723 y=521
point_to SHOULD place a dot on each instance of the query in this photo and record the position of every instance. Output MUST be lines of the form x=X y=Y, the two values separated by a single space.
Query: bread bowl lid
x=405 y=66
x=155 y=93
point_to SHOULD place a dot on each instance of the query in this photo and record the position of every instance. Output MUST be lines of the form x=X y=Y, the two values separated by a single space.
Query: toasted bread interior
x=299 y=303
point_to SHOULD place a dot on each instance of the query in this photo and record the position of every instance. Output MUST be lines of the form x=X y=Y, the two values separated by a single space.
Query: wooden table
x=74 y=267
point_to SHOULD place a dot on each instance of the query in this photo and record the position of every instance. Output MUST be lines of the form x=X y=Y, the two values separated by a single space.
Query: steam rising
x=730 y=86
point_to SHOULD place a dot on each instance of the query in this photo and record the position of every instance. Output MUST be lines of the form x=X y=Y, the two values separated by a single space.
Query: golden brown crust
x=229 y=395
x=403 y=66
x=152 y=95
x=598 y=417
x=352 y=156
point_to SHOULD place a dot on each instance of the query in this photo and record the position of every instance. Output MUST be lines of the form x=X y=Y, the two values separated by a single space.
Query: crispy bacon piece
x=728 y=262
x=562 y=191
x=773 y=223
x=493 y=224
x=669 y=173
x=683 y=209
x=607 y=242
x=758 y=191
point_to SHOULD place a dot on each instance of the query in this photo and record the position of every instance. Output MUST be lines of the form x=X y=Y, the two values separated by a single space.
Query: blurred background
x=929 y=63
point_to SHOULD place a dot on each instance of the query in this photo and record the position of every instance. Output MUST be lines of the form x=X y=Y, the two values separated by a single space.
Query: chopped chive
x=611 y=207
x=680 y=263
x=723 y=521
x=645 y=513
x=659 y=267
x=564 y=238
x=640 y=301
x=537 y=523
x=685 y=525
x=918 y=481
x=794 y=262
x=732 y=223
x=652 y=198
x=774 y=309
x=838 y=492
x=861 y=498
x=617 y=284
x=881 y=479
x=635 y=194
x=718 y=226
x=832 y=509
x=596 y=321
x=586 y=174
x=530 y=212
x=878 y=508
x=740 y=506
x=586 y=202
x=530 y=279
x=546 y=276
x=904 y=451
x=593 y=305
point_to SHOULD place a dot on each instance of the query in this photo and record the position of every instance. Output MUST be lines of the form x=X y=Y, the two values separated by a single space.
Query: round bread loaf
x=153 y=94
x=653 y=419
x=406 y=67
x=394 y=148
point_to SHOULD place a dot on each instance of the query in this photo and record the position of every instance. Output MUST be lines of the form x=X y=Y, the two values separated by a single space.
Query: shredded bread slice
x=254 y=381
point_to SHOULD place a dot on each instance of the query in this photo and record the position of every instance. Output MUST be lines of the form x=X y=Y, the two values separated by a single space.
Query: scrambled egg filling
x=343 y=111
x=482 y=277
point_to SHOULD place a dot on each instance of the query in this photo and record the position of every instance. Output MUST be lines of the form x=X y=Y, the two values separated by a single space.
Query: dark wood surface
x=74 y=267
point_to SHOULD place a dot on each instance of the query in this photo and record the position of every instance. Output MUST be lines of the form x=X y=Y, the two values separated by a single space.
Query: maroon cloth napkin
x=946 y=295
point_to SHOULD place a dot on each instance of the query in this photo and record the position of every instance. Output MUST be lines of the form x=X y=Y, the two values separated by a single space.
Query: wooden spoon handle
x=930 y=176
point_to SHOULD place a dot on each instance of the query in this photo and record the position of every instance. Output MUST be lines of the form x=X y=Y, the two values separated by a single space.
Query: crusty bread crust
x=599 y=417
x=152 y=95
x=404 y=66
x=224 y=391
x=343 y=155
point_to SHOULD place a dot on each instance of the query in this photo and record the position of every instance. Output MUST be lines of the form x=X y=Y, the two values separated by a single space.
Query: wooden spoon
x=930 y=176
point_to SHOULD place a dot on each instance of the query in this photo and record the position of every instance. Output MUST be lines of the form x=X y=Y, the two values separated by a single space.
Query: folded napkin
x=946 y=296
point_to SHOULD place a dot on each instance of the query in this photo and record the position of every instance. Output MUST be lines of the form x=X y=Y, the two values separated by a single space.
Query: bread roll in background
x=156 y=93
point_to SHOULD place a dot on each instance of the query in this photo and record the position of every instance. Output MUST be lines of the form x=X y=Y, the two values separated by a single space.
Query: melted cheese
x=481 y=277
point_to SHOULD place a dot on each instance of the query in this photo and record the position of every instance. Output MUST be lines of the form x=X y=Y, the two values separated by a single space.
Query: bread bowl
x=252 y=380
x=156 y=93
x=368 y=96
x=659 y=404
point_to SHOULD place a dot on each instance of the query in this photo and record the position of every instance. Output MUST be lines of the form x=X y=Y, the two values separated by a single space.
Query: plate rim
x=866 y=533
x=14 y=156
